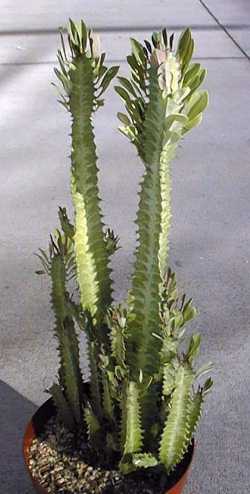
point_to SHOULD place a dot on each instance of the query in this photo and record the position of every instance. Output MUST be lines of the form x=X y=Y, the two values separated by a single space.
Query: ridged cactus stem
x=143 y=347
x=91 y=253
x=69 y=371
x=165 y=215
x=167 y=156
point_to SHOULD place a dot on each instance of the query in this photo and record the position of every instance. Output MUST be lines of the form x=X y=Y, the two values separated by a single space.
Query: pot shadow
x=15 y=411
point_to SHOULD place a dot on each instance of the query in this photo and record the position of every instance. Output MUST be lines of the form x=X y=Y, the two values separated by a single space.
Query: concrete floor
x=210 y=238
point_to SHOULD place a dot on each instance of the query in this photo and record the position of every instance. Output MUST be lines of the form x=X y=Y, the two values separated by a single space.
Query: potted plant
x=130 y=428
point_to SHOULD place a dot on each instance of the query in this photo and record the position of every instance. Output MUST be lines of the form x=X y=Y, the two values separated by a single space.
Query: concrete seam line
x=224 y=29
x=109 y=60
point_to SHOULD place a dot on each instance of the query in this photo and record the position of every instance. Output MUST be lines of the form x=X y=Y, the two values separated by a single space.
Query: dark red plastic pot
x=36 y=426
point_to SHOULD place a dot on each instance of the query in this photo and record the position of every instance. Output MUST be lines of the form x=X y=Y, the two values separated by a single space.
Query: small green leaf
x=138 y=51
x=189 y=312
x=165 y=37
x=156 y=38
x=204 y=369
x=95 y=45
x=109 y=75
x=171 y=41
x=62 y=43
x=132 y=62
x=202 y=75
x=123 y=118
x=171 y=137
x=73 y=32
x=64 y=80
x=184 y=41
x=192 y=123
x=207 y=386
x=112 y=242
x=194 y=347
x=175 y=117
x=123 y=94
x=100 y=69
x=127 y=85
x=144 y=460
x=119 y=372
x=187 y=55
x=191 y=73
x=82 y=33
x=196 y=82
x=198 y=104
x=62 y=63
x=148 y=45
x=45 y=264
x=67 y=227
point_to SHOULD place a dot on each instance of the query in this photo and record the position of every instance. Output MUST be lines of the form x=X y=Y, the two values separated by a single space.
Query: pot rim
x=35 y=426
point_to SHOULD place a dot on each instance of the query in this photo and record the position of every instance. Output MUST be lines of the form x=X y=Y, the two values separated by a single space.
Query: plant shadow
x=15 y=411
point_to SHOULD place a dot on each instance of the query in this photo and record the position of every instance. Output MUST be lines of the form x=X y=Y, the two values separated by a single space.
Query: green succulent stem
x=69 y=371
x=143 y=347
x=166 y=215
x=175 y=436
x=91 y=254
x=132 y=433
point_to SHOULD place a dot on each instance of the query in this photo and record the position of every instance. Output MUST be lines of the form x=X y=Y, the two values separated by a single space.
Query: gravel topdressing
x=62 y=468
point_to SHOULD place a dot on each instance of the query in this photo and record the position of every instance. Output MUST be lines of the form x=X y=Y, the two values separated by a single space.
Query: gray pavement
x=210 y=237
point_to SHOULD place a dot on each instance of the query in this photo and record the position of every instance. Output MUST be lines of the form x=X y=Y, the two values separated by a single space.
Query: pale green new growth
x=181 y=102
x=144 y=460
x=141 y=405
x=133 y=437
x=176 y=431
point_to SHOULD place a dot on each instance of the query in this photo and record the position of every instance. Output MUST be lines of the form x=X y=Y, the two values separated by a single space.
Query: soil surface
x=61 y=467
